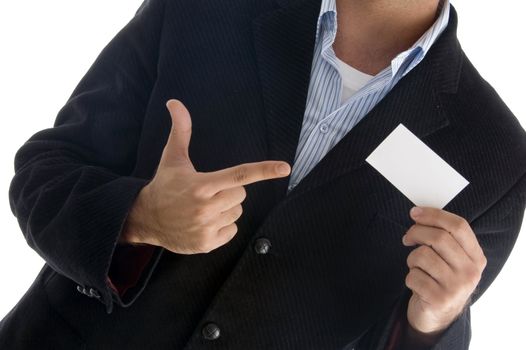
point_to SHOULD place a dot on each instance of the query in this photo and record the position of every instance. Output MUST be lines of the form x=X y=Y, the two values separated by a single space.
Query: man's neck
x=372 y=32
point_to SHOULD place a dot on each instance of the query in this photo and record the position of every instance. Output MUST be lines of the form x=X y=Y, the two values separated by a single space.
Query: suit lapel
x=284 y=41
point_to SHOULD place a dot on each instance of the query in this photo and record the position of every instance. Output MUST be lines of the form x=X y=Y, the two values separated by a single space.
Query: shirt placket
x=326 y=103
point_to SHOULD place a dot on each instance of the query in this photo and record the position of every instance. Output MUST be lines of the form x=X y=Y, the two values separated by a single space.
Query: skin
x=444 y=269
x=372 y=32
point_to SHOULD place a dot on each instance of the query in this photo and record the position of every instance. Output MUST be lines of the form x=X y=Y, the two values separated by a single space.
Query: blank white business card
x=416 y=170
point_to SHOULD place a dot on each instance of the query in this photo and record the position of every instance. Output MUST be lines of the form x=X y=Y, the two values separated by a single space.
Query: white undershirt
x=352 y=80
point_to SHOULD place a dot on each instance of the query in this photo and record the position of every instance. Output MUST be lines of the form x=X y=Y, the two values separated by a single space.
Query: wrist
x=131 y=232
x=417 y=339
x=135 y=227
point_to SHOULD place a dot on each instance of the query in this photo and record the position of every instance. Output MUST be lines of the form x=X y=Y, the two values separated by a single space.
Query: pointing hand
x=186 y=211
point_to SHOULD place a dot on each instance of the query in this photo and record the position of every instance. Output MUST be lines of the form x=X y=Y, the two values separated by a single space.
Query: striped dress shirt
x=327 y=119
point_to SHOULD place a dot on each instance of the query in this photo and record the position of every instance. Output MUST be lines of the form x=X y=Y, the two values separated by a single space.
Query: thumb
x=175 y=151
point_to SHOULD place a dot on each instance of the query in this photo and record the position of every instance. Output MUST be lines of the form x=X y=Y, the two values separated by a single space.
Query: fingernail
x=404 y=240
x=415 y=211
x=283 y=169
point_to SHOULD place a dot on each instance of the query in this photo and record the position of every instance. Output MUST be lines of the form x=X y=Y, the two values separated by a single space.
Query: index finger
x=246 y=173
x=456 y=225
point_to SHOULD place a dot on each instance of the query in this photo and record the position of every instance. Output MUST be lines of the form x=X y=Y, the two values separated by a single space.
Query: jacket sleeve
x=72 y=188
x=496 y=230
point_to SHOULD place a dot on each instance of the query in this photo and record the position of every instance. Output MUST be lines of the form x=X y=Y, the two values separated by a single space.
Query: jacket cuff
x=457 y=336
x=132 y=283
x=99 y=219
x=127 y=265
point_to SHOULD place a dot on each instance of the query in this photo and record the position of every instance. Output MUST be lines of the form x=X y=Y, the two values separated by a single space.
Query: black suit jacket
x=335 y=272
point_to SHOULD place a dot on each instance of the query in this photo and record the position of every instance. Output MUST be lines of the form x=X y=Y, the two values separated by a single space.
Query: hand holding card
x=447 y=265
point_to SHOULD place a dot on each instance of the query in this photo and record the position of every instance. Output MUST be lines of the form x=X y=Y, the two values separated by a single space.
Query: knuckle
x=208 y=232
x=243 y=193
x=206 y=250
x=410 y=230
x=483 y=262
x=411 y=279
x=473 y=275
x=460 y=225
x=424 y=251
x=238 y=211
x=202 y=249
x=442 y=238
x=414 y=257
x=410 y=259
x=465 y=289
x=199 y=246
x=228 y=232
x=201 y=214
x=198 y=241
x=199 y=190
x=233 y=229
x=240 y=173
x=233 y=215
x=200 y=237
x=207 y=246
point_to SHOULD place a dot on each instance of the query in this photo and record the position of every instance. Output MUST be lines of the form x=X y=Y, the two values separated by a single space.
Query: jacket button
x=262 y=245
x=94 y=293
x=211 y=331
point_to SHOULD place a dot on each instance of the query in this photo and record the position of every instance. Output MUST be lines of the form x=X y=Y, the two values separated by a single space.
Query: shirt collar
x=417 y=51
x=424 y=43
x=326 y=6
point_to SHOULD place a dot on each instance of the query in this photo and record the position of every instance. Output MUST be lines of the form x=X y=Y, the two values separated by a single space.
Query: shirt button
x=262 y=246
x=324 y=128
x=211 y=331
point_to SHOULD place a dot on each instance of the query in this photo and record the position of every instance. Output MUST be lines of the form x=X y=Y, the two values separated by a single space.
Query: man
x=133 y=198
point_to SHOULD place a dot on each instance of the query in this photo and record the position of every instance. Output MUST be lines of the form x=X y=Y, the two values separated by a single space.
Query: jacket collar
x=284 y=42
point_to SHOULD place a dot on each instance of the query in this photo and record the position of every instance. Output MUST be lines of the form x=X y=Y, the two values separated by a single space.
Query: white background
x=47 y=46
